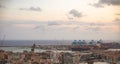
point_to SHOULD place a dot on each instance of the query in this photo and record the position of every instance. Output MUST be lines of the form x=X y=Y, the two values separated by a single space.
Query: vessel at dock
x=82 y=45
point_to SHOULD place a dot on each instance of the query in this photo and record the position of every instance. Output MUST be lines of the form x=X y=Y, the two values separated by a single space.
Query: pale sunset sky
x=60 y=19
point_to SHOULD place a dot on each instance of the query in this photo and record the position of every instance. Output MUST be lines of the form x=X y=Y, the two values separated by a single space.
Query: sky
x=59 y=19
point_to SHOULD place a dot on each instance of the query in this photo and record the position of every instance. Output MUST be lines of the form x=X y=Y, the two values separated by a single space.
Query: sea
x=31 y=42
x=40 y=42
x=21 y=45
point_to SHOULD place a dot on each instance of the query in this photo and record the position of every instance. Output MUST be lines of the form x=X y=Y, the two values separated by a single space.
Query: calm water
x=19 y=49
x=38 y=42
x=31 y=42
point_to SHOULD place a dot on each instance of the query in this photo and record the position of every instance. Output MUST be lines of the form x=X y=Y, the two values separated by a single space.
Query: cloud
x=97 y=5
x=35 y=8
x=36 y=27
x=94 y=28
x=118 y=14
x=1 y=6
x=54 y=23
x=57 y=24
x=75 y=13
x=39 y=27
x=70 y=18
x=97 y=24
x=110 y=2
x=32 y=9
x=24 y=25
x=75 y=28
x=100 y=3
x=116 y=21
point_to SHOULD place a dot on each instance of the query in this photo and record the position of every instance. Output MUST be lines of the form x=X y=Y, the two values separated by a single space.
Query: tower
x=33 y=47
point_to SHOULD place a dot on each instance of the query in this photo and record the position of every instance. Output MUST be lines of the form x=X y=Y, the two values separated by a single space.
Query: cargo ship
x=82 y=45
